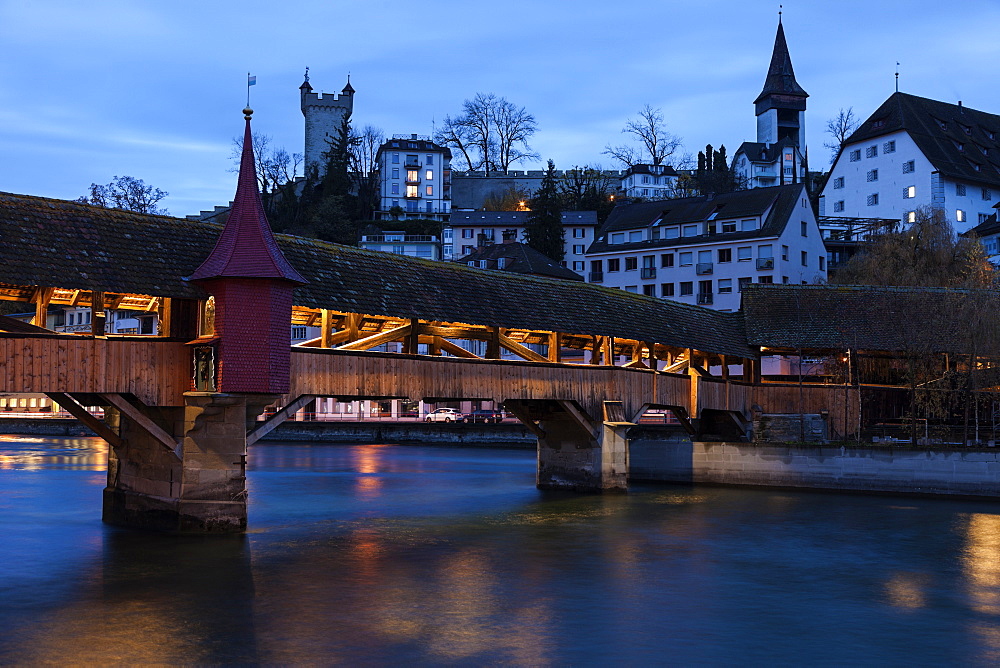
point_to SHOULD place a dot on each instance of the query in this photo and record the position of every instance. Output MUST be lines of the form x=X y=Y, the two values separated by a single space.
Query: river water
x=380 y=555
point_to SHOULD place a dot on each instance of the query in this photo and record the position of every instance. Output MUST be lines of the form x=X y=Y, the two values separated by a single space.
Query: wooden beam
x=99 y=427
x=493 y=344
x=41 y=299
x=595 y=351
x=97 y=313
x=326 y=327
x=642 y=409
x=137 y=414
x=608 y=350
x=411 y=344
x=456 y=350
x=614 y=411
x=270 y=424
x=351 y=325
x=518 y=349
x=555 y=347
x=377 y=339
x=518 y=411
x=581 y=418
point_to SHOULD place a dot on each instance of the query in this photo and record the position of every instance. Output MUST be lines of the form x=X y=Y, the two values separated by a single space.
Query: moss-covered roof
x=58 y=243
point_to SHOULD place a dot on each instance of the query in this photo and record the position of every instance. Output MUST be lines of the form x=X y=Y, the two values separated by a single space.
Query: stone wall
x=789 y=428
x=872 y=468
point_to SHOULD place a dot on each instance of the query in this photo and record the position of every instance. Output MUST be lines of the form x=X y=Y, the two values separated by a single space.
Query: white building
x=415 y=178
x=915 y=152
x=778 y=155
x=701 y=250
x=649 y=181
x=400 y=243
x=462 y=236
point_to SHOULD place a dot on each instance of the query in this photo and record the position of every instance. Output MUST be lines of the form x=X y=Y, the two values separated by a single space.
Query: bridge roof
x=58 y=243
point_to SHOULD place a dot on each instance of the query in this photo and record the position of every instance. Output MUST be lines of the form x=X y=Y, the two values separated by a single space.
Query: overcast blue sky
x=154 y=89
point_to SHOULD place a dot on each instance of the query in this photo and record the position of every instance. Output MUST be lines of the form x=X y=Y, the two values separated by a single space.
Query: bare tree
x=126 y=192
x=839 y=129
x=491 y=133
x=658 y=144
x=275 y=165
x=363 y=168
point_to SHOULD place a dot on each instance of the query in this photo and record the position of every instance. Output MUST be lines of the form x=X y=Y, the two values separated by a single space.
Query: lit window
x=909 y=192
x=911 y=216
x=411 y=191
x=430 y=191
x=960 y=216
x=429 y=175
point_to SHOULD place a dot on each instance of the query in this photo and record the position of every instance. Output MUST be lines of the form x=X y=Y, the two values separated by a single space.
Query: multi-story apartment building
x=778 y=155
x=702 y=250
x=401 y=243
x=415 y=178
x=915 y=152
x=649 y=181
x=463 y=235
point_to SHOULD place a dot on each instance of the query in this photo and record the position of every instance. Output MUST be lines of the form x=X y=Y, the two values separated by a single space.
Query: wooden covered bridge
x=182 y=406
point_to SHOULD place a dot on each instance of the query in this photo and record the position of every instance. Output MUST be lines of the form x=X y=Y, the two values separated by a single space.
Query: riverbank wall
x=669 y=457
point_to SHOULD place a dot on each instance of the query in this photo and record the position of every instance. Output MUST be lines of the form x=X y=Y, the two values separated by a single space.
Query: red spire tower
x=252 y=283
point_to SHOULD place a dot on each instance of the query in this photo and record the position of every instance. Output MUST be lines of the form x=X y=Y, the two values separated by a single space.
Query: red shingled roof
x=246 y=248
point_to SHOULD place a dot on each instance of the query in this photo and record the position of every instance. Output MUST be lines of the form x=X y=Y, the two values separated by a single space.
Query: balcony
x=703 y=269
x=705 y=298
x=764 y=263
x=648 y=272
x=412 y=164
x=596 y=277
x=415 y=181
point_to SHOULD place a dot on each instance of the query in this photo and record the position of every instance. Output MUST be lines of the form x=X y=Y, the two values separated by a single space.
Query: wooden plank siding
x=349 y=374
x=722 y=395
x=841 y=402
x=157 y=371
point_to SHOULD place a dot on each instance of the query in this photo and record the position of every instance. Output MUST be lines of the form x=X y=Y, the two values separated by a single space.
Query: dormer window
x=877 y=125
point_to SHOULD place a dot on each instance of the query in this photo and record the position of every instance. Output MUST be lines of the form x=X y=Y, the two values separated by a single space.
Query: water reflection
x=67 y=454
x=379 y=555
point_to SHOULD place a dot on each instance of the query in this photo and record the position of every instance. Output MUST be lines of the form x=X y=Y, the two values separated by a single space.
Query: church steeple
x=780 y=78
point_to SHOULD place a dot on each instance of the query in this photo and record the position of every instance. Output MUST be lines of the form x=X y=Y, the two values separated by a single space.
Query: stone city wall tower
x=323 y=116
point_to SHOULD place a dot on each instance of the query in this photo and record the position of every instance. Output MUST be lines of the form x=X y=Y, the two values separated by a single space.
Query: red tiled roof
x=246 y=248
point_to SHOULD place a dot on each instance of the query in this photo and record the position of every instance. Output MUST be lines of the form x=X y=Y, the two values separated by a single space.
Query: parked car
x=485 y=416
x=444 y=415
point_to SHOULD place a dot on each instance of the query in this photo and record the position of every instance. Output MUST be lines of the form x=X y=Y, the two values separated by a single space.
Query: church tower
x=323 y=115
x=781 y=105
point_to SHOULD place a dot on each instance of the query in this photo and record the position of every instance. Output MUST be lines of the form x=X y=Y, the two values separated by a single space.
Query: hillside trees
x=490 y=134
x=126 y=192
x=544 y=229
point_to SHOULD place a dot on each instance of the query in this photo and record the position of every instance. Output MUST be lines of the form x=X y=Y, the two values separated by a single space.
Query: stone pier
x=199 y=486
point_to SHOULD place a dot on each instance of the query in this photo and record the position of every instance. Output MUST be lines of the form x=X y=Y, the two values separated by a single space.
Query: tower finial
x=307 y=73
x=897 y=76
x=780 y=7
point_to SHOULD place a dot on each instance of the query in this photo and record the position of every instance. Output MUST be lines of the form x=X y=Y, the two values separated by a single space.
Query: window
x=725 y=255
x=429 y=191
x=631 y=288
x=871 y=151
x=618 y=238
x=838 y=206
x=579 y=233
x=889 y=146
x=838 y=182
x=725 y=285
x=666 y=289
x=577 y=266
x=686 y=258
x=690 y=230
x=822 y=263
x=429 y=174
x=411 y=191
x=649 y=290
x=784 y=280
x=748 y=225
x=784 y=252
x=399 y=249
x=667 y=260
x=395 y=158
x=911 y=216
x=872 y=175
x=430 y=206
x=614 y=264
x=395 y=172
x=578 y=249
x=430 y=161
x=744 y=254
x=466 y=250
x=805 y=259
x=645 y=192
x=412 y=160
x=671 y=233
x=872 y=199
x=395 y=202
x=805 y=228
x=729 y=226
x=960 y=216
x=987 y=195
x=764 y=250
x=687 y=288
x=909 y=166
x=468 y=234
x=395 y=189
x=909 y=192
x=855 y=155
x=960 y=189
x=765 y=279
x=411 y=175
x=631 y=264
x=645 y=179
x=983 y=217
x=743 y=280
x=635 y=235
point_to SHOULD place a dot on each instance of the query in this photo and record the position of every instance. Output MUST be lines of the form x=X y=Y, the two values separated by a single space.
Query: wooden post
x=595 y=353
x=651 y=359
x=97 y=324
x=435 y=346
x=555 y=347
x=42 y=298
x=412 y=342
x=609 y=350
x=493 y=343
x=163 y=316
x=353 y=326
x=326 y=327
x=725 y=368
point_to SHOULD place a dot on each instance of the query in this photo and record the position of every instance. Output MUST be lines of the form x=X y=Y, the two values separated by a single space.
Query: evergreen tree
x=544 y=229
x=332 y=211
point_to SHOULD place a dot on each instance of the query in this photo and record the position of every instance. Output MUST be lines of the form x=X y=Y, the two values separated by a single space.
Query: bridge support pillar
x=577 y=453
x=199 y=486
